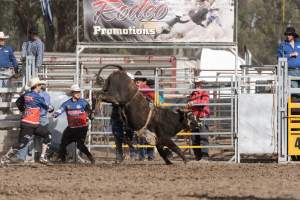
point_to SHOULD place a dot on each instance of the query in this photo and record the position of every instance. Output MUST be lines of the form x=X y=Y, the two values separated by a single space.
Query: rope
x=140 y=132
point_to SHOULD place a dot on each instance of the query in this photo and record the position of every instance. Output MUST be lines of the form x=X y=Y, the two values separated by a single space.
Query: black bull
x=120 y=90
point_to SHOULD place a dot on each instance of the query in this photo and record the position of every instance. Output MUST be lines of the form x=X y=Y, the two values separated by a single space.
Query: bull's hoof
x=169 y=163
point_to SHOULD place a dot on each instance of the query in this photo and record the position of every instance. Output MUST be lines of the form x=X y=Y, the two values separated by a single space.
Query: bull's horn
x=99 y=79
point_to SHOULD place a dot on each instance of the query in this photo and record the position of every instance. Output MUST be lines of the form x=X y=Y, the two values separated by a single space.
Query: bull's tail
x=99 y=79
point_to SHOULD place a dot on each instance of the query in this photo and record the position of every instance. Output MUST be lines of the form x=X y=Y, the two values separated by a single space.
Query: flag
x=46 y=9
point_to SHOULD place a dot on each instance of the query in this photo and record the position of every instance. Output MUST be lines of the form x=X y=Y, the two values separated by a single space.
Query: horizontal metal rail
x=179 y=134
x=149 y=146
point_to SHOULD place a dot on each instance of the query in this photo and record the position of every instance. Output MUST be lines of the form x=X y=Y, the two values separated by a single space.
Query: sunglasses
x=289 y=34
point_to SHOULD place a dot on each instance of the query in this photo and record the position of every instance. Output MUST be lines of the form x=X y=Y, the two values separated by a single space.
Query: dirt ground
x=151 y=180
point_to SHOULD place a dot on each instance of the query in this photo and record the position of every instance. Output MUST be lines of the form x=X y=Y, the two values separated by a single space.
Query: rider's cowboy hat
x=3 y=36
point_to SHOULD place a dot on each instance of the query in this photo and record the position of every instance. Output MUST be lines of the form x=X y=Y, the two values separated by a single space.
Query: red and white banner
x=179 y=21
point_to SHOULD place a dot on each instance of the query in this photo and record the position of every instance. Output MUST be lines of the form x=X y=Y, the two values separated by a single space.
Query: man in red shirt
x=146 y=90
x=149 y=94
x=200 y=96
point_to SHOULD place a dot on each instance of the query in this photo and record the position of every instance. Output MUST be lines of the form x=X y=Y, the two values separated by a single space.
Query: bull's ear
x=181 y=113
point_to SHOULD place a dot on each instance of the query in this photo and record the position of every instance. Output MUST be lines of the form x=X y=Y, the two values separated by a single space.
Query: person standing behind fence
x=78 y=111
x=290 y=49
x=199 y=96
x=34 y=47
x=8 y=63
x=141 y=83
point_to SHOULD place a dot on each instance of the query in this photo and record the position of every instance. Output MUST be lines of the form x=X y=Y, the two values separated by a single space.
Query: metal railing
x=222 y=101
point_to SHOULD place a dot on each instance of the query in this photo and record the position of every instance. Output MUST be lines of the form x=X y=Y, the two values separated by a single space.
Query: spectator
x=34 y=47
x=200 y=111
x=30 y=122
x=8 y=64
x=141 y=83
x=46 y=97
x=78 y=111
x=290 y=49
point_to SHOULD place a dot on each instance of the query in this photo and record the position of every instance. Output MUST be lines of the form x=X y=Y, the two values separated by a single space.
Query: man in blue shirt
x=290 y=49
x=78 y=111
x=34 y=47
x=8 y=62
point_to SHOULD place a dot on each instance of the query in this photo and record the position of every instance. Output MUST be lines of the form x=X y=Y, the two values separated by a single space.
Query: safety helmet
x=75 y=88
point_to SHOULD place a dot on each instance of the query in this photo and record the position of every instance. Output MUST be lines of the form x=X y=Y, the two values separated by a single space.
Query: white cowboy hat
x=3 y=36
x=131 y=76
x=43 y=82
x=34 y=81
x=200 y=80
x=75 y=88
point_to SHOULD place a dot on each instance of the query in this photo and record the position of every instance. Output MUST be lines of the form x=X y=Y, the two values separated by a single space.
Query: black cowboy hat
x=291 y=31
x=139 y=73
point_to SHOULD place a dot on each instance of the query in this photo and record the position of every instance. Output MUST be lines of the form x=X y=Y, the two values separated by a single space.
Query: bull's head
x=117 y=89
x=188 y=120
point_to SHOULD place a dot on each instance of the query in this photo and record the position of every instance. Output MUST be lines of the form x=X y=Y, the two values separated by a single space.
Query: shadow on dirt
x=207 y=197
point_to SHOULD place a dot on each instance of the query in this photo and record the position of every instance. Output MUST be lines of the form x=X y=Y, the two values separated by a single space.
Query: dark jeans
x=198 y=140
x=77 y=135
x=118 y=130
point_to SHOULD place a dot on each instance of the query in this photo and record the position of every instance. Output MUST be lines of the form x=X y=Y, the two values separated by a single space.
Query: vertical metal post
x=236 y=135
x=156 y=92
x=77 y=25
x=282 y=99
x=79 y=49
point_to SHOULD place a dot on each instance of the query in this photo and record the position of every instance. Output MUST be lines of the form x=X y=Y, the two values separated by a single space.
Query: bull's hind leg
x=163 y=154
x=171 y=145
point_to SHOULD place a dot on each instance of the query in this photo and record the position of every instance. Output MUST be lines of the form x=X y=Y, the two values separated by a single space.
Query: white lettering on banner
x=128 y=31
x=110 y=10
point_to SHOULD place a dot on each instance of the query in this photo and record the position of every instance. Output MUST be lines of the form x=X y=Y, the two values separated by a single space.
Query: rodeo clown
x=78 y=111
x=30 y=122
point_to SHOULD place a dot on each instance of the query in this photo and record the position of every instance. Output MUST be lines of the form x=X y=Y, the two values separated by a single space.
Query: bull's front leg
x=171 y=145
x=163 y=154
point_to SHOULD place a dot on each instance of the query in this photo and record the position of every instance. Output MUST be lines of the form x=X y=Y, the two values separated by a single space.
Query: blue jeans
x=143 y=152
x=295 y=72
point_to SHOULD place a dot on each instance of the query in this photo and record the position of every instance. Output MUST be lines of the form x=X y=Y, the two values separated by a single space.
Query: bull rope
x=144 y=132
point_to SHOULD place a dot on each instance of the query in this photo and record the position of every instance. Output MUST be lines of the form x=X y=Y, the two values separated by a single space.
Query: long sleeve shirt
x=46 y=98
x=7 y=58
x=33 y=105
x=285 y=49
x=200 y=97
x=77 y=112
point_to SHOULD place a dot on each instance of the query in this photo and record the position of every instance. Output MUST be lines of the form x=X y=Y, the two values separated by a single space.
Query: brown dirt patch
x=151 y=180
